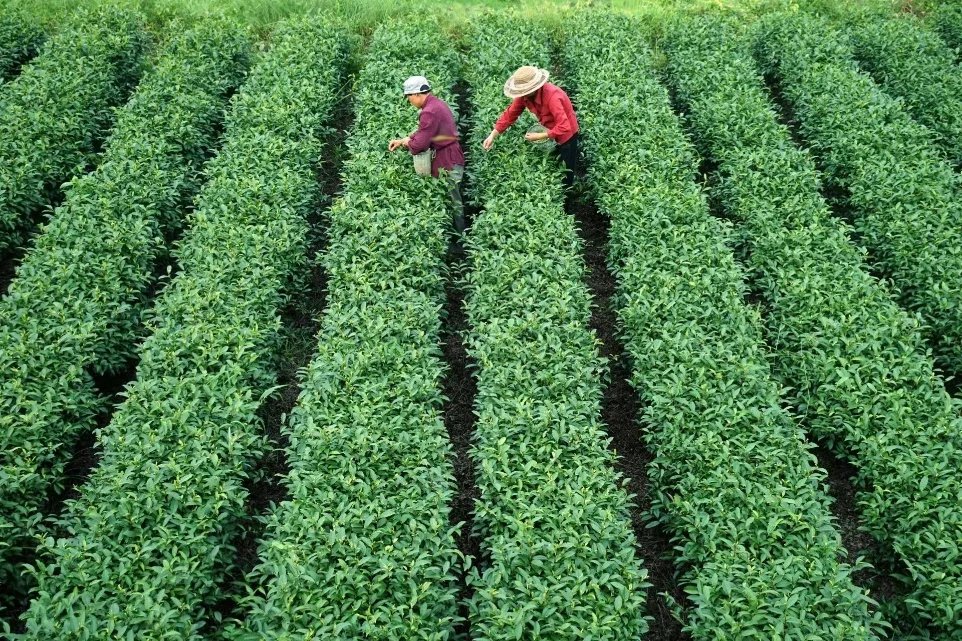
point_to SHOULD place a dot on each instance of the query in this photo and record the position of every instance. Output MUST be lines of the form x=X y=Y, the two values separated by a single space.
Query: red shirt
x=436 y=119
x=553 y=108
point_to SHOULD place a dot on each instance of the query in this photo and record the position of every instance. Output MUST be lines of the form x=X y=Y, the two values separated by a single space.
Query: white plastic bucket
x=422 y=162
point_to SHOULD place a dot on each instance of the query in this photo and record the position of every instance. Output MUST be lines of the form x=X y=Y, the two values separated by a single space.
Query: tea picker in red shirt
x=528 y=87
x=438 y=133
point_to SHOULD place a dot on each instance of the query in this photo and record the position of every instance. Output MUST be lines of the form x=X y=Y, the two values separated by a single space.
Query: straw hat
x=524 y=81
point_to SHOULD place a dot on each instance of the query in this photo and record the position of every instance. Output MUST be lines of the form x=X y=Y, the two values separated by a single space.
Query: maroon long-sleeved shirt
x=552 y=107
x=436 y=119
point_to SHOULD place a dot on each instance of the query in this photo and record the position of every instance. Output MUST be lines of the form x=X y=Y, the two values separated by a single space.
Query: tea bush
x=364 y=548
x=20 y=39
x=59 y=108
x=151 y=534
x=910 y=61
x=559 y=551
x=855 y=361
x=902 y=192
x=731 y=480
x=77 y=303
x=947 y=20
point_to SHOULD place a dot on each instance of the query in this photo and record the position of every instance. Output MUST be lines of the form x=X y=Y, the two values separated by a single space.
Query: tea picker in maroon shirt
x=437 y=132
x=528 y=87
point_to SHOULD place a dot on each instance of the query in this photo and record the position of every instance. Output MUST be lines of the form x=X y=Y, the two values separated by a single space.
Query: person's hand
x=397 y=143
x=535 y=137
x=488 y=142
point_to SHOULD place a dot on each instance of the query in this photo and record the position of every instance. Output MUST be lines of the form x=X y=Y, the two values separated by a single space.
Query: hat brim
x=514 y=90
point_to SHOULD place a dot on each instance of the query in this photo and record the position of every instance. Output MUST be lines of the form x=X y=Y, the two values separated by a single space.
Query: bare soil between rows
x=620 y=411
x=460 y=390
x=879 y=579
x=9 y=261
x=301 y=323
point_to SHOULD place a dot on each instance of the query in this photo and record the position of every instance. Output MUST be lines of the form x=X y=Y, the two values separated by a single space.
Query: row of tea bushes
x=151 y=534
x=364 y=549
x=901 y=190
x=556 y=538
x=909 y=61
x=60 y=108
x=732 y=480
x=947 y=20
x=20 y=39
x=856 y=363
x=76 y=305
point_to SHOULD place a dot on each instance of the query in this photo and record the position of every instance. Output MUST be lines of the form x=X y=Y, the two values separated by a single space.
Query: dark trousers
x=568 y=153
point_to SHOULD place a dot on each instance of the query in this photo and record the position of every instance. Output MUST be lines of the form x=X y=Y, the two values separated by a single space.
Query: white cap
x=416 y=84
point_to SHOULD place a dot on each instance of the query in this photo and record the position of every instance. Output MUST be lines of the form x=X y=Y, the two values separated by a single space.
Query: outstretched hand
x=397 y=143
x=488 y=142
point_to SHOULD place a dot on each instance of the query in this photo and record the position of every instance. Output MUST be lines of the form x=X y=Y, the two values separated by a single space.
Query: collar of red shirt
x=536 y=98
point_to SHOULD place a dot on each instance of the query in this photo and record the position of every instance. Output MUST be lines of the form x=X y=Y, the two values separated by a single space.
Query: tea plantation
x=254 y=386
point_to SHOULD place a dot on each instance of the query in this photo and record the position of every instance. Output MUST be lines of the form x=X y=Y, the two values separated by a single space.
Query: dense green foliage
x=911 y=62
x=151 y=533
x=77 y=303
x=59 y=108
x=902 y=192
x=20 y=38
x=731 y=478
x=860 y=377
x=948 y=20
x=364 y=548
x=553 y=520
